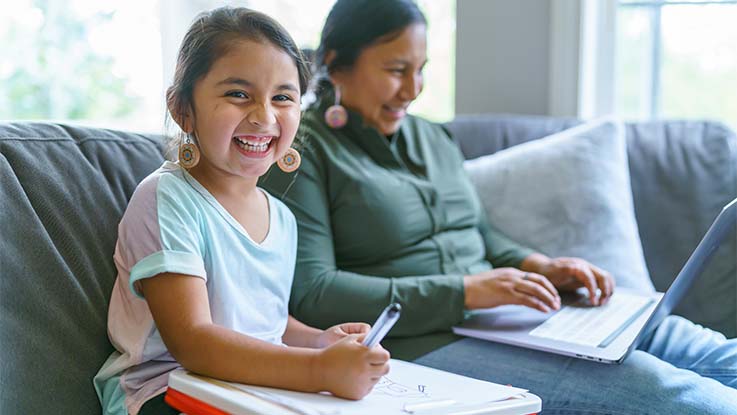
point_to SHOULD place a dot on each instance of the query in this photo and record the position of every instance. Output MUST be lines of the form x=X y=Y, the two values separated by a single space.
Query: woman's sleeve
x=323 y=295
x=501 y=251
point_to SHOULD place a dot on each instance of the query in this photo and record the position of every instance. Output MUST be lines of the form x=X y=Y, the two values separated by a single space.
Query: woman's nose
x=411 y=86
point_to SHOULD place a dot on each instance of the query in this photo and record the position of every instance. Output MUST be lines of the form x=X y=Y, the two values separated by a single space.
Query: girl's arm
x=181 y=311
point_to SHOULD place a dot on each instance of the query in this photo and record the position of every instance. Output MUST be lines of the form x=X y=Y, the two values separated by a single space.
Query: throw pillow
x=568 y=194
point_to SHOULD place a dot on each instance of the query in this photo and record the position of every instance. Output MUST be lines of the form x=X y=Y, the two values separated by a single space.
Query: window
x=676 y=59
x=92 y=62
x=304 y=22
x=107 y=64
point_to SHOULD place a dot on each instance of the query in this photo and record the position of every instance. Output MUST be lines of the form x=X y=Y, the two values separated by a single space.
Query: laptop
x=606 y=334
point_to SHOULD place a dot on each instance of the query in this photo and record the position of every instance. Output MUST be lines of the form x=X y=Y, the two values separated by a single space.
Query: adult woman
x=386 y=213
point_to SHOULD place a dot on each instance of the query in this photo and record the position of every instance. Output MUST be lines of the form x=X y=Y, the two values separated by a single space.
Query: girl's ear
x=182 y=117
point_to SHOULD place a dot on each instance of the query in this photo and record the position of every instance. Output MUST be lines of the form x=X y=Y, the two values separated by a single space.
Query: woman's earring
x=290 y=162
x=336 y=116
x=189 y=154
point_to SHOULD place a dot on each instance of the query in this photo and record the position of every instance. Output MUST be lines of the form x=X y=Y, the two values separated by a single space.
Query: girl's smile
x=255 y=146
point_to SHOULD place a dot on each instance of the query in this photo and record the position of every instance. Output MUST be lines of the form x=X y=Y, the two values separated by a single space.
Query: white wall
x=502 y=56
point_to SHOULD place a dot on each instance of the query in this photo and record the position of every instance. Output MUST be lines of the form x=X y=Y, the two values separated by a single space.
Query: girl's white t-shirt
x=173 y=224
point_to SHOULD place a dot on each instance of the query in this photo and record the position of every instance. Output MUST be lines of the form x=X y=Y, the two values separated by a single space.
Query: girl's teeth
x=257 y=148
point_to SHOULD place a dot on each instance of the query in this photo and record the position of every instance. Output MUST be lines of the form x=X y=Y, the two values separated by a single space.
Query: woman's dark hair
x=210 y=37
x=353 y=25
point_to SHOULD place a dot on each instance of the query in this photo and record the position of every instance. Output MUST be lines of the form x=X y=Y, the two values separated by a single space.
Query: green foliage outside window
x=50 y=70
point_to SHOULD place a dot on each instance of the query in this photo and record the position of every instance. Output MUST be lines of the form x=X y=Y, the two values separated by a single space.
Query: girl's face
x=246 y=110
x=385 y=79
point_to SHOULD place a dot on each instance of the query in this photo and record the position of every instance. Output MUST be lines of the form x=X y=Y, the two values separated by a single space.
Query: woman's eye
x=236 y=94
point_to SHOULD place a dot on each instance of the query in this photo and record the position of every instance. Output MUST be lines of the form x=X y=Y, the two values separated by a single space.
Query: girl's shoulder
x=166 y=184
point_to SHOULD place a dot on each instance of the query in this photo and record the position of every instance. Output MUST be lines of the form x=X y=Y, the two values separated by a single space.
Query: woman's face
x=385 y=79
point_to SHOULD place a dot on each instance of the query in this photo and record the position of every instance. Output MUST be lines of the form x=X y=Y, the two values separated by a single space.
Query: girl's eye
x=398 y=71
x=282 y=98
x=236 y=94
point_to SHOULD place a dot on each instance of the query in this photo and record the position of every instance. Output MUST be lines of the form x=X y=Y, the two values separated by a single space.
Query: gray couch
x=64 y=188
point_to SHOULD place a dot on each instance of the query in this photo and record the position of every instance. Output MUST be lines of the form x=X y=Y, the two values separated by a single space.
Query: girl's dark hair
x=210 y=37
x=353 y=25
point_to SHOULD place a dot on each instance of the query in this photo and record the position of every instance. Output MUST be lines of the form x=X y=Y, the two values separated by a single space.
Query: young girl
x=205 y=258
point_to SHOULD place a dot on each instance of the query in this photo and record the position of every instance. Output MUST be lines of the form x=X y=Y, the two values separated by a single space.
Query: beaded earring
x=336 y=116
x=290 y=162
x=189 y=154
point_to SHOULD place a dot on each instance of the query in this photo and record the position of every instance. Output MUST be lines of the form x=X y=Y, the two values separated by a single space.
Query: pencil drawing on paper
x=387 y=386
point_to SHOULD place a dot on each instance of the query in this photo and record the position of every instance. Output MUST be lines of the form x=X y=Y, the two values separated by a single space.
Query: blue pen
x=383 y=324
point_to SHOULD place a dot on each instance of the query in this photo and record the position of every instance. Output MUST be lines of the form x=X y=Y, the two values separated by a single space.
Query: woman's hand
x=568 y=274
x=335 y=333
x=349 y=369
x=510 y=286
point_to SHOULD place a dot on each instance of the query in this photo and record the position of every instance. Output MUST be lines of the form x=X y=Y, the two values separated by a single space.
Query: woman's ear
x=332 y=75
x=329 y=57
x=180 y=116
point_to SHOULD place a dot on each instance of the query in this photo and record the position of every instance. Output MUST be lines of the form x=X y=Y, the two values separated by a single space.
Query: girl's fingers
x=355 y=328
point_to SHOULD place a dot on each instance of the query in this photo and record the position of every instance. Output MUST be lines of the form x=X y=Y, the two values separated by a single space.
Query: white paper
x=406 y=384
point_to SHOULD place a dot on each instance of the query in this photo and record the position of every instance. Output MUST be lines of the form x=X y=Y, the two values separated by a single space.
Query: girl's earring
x=290 y=162
x=189 y=154
x=336 y=116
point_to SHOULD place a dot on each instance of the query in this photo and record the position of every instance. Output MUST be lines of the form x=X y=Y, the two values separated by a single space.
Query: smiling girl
x=205 y=258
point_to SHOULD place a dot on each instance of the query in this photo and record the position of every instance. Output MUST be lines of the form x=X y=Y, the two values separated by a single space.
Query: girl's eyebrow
x=247 y=83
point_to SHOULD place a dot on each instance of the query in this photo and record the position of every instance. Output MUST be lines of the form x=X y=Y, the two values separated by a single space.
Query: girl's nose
x=261 y=115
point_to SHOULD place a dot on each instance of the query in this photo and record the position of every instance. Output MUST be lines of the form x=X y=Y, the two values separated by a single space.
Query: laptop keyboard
x=593 y=326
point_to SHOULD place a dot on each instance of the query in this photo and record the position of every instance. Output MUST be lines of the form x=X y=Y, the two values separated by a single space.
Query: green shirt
x=386 y=220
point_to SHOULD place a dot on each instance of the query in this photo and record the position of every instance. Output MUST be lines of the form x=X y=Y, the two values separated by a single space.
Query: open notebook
x=407 y=389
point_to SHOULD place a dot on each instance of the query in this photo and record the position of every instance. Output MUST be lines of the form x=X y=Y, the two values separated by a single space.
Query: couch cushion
x=63 y=190
x=683 y=173
x=483 y=134
x=568 y=194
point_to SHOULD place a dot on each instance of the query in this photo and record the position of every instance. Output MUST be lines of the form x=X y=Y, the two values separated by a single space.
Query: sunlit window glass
x=86 y=61
x=677 y=59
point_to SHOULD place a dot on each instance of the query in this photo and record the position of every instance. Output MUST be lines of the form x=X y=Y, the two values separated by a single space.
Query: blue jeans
x=682 y=368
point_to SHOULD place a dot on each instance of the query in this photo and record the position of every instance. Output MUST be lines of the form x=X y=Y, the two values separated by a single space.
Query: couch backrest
x=682 y=174
x=63 y=190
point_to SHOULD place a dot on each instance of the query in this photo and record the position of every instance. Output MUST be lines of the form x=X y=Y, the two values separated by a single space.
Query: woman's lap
x=643 y=384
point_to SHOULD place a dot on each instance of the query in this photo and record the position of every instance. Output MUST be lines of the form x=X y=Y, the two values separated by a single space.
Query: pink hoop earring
x=290 y=162
x=189 y=154
x=336 y=116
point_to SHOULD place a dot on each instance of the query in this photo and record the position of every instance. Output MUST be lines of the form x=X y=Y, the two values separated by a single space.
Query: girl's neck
x=221 y=184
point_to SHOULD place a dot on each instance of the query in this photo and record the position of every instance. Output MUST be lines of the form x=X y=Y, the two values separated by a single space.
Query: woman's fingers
x=544 y=282
x=588 y=279
x=606 y=283
x=536 y=295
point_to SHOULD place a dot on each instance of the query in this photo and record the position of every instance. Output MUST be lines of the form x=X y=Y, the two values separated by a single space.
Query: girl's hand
x=348 y=369
x=502 y=286
x=568 y=274
x=335 y=333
